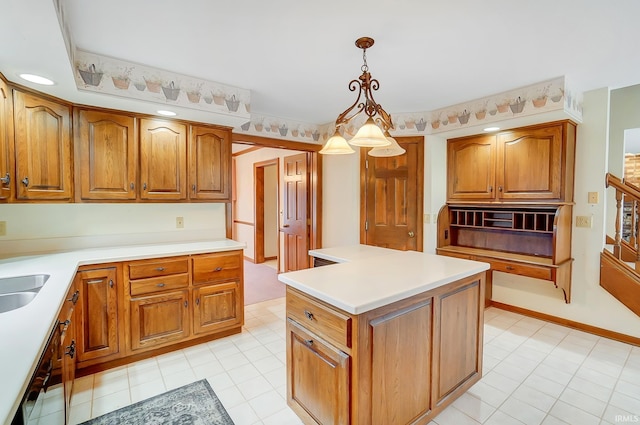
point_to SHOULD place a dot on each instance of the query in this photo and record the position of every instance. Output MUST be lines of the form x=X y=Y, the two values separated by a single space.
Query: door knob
x=411 y=234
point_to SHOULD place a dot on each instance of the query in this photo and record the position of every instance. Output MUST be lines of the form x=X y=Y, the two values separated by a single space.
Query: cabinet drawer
x=158 y=284
x=537 y=272
x=220 y=266
x=326 y=322
x=160 y=267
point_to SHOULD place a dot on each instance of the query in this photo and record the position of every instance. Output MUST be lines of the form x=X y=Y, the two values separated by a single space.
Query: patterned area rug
x=193 y=404
x=261 y=283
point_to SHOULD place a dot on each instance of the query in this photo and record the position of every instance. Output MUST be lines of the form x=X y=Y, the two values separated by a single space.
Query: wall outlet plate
x=584 y=221
x=179 y=222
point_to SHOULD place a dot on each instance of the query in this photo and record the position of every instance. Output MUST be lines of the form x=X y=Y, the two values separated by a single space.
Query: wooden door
x=317 y=378
x=217 y=307
x=7 y=164
x=158 y=320
x=107 y=149
x=43 y=148
x=209 y=164
x=471 y=164
x=393 y=191
x=295 y=217
x=529 y=163
x=97 y=311
x=163 y=160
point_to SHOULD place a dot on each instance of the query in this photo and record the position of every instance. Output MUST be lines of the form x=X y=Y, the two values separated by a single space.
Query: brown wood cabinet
x=209 y=163
x=163 y=160
x=534 y=164
x=398 y=364
x=43 y=148
x=98 y=330
x=106 y=155
x=65 y=348
x=7 y=158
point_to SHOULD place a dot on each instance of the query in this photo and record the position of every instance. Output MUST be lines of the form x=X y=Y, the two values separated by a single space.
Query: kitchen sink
x=18 y=291
x=15 y=300
x=31 y=283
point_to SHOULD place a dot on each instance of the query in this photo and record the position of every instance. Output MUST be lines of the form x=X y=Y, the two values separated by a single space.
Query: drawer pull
x=308 y=314
x=217 y=269
x=160 y=269
x=308 y=342
x=65 y=323
x=72 y=349
x=160 y=285
x=74 y=297
x=510 y=268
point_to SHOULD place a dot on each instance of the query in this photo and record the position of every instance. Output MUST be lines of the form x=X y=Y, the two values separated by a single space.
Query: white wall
x=37 y=228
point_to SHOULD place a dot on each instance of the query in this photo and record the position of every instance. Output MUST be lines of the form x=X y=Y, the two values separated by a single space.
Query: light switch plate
x=583 y=221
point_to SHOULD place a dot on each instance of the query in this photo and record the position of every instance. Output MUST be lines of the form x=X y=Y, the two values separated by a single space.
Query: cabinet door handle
x=186 y=303
x=499 y=188
x=160 y=269
x=308 y=314
x=490 y=188
x=110 y=283
x=308 y=342
x=74 y=297
x=64 y=324
x=144 y=186
x=6 y=179
x=217 y=269
x=197 y=301
x=132 y=186
x=194 y=188
x=25 y=181
x=71 y=349
x=160 y=285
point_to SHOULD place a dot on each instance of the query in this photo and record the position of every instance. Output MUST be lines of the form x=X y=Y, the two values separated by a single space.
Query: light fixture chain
x=364 y=67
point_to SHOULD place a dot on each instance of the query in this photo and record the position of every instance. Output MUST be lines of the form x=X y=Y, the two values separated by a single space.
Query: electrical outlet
x=3 y=228
x=583 y=221
x=593 y=197
x=179 y=222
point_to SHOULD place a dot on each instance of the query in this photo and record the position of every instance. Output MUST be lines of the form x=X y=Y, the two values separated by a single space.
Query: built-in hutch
x=509 y=202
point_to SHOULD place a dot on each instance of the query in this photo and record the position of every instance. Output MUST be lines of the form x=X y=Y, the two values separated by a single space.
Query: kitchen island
x=383 y=336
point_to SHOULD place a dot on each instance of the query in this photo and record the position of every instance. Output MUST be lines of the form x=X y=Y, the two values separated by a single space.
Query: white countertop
x=24 y=331
x=364 y=282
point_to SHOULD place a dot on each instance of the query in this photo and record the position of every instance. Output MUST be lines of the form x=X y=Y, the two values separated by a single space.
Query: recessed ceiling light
x=167 y=113
x=492 y=129
x=37 y=79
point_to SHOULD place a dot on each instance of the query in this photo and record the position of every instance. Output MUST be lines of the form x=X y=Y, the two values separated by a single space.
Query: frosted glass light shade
x=336 y=145
x=370 y=136
x=394 y=149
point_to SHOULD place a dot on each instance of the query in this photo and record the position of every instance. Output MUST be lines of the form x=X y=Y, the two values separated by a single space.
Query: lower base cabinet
x=216 y=307
x=159 y=320
x=399 y=364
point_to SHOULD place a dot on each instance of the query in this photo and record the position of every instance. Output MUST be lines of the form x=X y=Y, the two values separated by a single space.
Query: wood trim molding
x=274 y=143
x=249 y=150
x=569 y=323
x=248 y=223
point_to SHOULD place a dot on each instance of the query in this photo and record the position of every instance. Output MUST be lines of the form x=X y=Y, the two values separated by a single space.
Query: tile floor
x=534 y=373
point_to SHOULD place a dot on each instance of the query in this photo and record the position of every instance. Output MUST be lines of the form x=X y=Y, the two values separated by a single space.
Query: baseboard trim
x=251 y=260
x=569 y=323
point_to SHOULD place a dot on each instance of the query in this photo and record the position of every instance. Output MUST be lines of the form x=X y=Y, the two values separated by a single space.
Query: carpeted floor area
x=261 y=283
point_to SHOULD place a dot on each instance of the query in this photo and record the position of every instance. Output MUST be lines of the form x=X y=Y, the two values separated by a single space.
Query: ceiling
x=297 y=56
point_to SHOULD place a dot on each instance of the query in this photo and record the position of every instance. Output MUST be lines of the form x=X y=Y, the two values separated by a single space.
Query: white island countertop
x=367 y=278
x=24 y=331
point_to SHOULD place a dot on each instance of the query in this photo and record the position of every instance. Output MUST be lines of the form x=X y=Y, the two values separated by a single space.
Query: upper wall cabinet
x=163 y=160
x=106 y=155
x=209 y=164
x=7 y=174
x=529 y=164
x=43 y=148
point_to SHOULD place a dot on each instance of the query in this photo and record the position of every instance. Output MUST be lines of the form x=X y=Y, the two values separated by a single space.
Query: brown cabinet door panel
x=98 y=308
x=318 y=375
x=216 y=307
x=530 y=163
x=159 y=320
x=471 y=168
x=108 y=149
x=209 y=164
x=43 y=148
x=7 y=164
x=163 y=160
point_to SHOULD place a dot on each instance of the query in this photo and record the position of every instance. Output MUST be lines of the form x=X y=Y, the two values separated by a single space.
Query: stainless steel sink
x=15 y=300
x=22 y=283
x=18 y=291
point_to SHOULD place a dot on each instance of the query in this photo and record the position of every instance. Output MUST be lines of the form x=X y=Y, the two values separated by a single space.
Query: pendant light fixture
x=375 y=131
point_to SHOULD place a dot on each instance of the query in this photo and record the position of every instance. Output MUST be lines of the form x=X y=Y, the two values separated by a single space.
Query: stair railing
x=626 y=193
